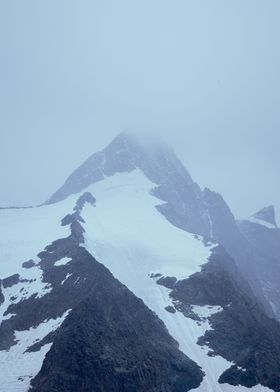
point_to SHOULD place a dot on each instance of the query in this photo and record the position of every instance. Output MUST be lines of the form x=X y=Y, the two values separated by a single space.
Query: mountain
x=132 y=278
x=183 y=203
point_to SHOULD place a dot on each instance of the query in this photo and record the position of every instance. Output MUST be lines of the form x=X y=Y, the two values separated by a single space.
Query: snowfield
x=25 y=232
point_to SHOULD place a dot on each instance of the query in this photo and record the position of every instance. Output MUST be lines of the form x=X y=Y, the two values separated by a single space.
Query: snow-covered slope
x=24 y=232
x=126 y=220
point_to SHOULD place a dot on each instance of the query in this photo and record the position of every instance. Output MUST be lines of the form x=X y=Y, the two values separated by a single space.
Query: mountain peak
x=128 y=151
x=267 y=215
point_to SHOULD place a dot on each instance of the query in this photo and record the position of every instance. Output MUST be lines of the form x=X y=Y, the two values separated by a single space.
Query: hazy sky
x=204 y=74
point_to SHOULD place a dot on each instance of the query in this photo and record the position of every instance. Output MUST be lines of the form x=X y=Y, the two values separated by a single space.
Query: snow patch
x=63 y=261
x=66 y=277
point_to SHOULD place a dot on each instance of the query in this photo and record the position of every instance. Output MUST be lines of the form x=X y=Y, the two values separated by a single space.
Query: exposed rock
x=167 y=281
x=170 y=309
x=2 y=298
x=68 y=219
x=156 y=275
x=85 y=198
x=28 y=264
x=10 y=281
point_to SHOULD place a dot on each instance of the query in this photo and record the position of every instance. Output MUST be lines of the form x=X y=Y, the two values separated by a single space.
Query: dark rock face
x=28 y=264
x=167 y=281
x=112 y=341
x=85 y=198
x=225 y=231
x=241 y=332
x=2 y=299
x=10 y=281
x=170 y=309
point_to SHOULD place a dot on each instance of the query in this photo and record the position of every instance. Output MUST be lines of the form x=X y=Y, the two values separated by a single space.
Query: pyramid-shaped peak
x=128 y=151
x=266 y=214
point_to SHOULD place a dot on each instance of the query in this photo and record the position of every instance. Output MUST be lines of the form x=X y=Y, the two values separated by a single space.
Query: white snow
x=128 y=235
x=19 y=367
x=66 y=277
x=63 y=261
x=125 y=220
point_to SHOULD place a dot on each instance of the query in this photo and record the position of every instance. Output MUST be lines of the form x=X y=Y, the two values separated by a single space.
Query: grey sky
x=204 y=74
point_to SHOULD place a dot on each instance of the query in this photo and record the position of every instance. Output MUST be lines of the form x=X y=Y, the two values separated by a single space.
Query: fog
x=204 y=75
